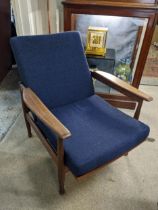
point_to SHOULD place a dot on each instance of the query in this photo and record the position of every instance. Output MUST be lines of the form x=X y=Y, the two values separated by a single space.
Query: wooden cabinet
x=146 y=10
x=5 y=31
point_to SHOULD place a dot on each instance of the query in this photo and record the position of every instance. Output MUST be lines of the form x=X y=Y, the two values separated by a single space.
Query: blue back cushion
x=54 y=67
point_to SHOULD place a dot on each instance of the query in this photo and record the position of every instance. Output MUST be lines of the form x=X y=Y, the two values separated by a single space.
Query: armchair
x=80 y=130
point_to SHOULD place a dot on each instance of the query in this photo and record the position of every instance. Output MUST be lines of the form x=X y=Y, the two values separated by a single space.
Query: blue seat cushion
x=100 y=133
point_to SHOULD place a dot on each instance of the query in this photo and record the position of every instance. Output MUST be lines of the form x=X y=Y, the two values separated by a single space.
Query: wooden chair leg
x=61 y=167
x=61 y=179
x=28 y=128
x=25 y=112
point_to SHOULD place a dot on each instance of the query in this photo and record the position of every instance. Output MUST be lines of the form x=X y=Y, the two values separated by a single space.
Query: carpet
x=28 y=178
x=10 y=106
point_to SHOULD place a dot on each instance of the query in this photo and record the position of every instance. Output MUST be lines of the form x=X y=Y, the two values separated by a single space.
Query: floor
x=10 y=106
x=28 y=178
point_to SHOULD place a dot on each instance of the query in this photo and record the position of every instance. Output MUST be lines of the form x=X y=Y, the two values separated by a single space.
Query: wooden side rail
x=120 y=85
x=124 y=88
x=42 y=112
x=31 y=102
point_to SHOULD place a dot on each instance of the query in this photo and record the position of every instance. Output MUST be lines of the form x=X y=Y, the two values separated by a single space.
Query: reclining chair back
x=54 y=64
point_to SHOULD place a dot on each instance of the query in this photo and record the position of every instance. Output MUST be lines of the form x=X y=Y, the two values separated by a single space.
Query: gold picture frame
x=96 y=41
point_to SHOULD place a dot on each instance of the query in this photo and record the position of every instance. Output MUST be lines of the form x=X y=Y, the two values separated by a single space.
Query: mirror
x=124 y=41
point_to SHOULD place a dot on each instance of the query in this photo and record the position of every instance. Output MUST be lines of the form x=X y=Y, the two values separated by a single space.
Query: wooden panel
x=115 y=3
x=135 y=1
x=120 y=85
x=5 y=31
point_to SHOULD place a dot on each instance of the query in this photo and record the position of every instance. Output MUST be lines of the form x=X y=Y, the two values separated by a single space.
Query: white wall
x=21 y=16
x=60 y=11
x=32 y=16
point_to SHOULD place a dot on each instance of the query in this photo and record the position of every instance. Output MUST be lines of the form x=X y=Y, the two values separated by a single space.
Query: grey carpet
x=10 y=106
x=28 y=178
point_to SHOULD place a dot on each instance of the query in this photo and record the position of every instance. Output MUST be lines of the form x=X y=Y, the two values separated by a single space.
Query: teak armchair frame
x=32 y=104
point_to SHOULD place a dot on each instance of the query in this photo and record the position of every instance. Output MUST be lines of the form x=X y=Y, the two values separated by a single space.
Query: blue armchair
x=80 y=130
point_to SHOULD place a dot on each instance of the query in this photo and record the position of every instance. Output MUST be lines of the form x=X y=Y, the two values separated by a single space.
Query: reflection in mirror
x=124 y=41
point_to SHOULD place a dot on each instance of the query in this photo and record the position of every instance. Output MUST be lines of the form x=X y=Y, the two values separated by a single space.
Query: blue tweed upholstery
x=100 y=133
x=54 y=66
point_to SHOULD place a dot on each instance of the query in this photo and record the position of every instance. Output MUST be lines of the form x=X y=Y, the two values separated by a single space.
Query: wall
x=32 y=16
x=59 y=8
x=155 y=36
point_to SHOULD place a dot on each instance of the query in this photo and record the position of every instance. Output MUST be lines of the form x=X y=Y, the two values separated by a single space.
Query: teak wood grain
x=146 y=4
x=42 y=112
x=119 y=100
x=120 y=85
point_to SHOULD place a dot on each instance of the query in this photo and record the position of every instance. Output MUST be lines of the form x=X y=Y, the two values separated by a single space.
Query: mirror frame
x=134 y=8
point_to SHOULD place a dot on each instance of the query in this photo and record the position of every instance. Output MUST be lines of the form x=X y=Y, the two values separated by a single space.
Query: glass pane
x=123 y=43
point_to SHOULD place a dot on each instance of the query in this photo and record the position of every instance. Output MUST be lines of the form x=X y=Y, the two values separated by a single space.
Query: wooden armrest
x=120 y=85
x=42 y=112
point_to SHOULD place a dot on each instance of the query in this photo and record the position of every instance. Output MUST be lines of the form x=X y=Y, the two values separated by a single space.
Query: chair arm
x=120 y=85
x=42 y=112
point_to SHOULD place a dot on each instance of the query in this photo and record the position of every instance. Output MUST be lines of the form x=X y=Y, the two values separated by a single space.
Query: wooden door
x=5 y=31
